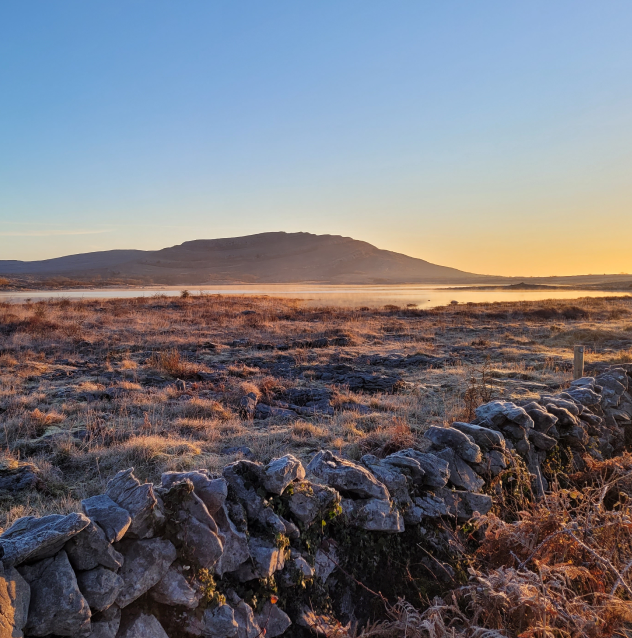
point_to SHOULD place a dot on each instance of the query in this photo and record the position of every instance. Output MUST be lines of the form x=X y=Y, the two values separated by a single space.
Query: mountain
x=276 y=257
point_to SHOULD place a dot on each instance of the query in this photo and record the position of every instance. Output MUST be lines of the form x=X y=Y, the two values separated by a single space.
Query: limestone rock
x=436 y=470
x=407 y=466
x=139 y=501
x=274 y=620
x=496 y=412
x=310 y=500
x=236 y=551
x=588 y=397
x=219 y=622
x=564 y=417
x=485 y=438
x=146 y=562
x=100 y=587
x=111 y=518
x=57 y=606
x=375 y=515
x=241 y=477
x=542 y=419
x=90 y=548
x=247 y=626
x=325 y=561
x=30 y=538
x=142 y=626
x=174 y=590
x=346 y=477
x=427 y=506
x=494 y=462
x=279 y=473
x=301 y=565
x=15 y=596
x=391 y=475
x=462 y=476
x=541 y=440
x=195 y=528
x=566 y=404
x=106 y=624
x=462 y=444
x=267 y=558
x=247 y=406
x=463 y=504
x=17 y=476
x=211 y=491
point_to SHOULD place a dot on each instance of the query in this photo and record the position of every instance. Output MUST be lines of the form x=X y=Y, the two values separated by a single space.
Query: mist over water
x=315 y=295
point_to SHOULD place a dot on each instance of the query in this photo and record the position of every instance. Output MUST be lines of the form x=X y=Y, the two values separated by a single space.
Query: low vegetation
x=91 y=387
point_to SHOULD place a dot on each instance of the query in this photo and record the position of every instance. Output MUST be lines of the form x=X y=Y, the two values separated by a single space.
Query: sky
x=491 y=136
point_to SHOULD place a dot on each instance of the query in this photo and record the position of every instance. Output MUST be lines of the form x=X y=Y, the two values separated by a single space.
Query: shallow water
x=318 y=295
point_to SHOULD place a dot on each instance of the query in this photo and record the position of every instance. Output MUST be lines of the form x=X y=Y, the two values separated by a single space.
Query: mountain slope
x=276 y=257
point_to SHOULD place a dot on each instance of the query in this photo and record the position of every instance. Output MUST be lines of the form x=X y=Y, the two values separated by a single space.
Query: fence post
x=578 y=362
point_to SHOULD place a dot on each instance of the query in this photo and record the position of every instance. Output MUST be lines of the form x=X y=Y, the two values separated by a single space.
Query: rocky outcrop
x=176 y=559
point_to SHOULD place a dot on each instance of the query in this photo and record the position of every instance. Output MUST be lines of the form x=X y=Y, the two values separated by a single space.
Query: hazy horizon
x=494 y=138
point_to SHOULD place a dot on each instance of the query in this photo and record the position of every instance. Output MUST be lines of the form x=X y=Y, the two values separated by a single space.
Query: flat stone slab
x=31 y=538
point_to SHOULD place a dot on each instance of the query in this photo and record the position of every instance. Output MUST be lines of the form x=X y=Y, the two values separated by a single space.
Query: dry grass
x=88 y=388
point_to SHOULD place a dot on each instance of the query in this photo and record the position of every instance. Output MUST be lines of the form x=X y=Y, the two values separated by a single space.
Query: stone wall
x=278 y=547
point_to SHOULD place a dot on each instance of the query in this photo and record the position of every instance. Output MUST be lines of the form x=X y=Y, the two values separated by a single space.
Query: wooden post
x=578 y=362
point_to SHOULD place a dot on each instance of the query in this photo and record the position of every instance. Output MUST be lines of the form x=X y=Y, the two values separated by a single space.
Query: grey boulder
x=17 y=476
x=100 y=587
x=463 y=505
x=279 y=473
x=174 y=590
x=57 y=605
x=543 y=421
x=496 y=412
x=15 y=596
x=273 y=620
x=219 y=622
x=435 y=470
x=462 y=444
x=90 y=548
x=212 y=491
x=346 y=477
x=146 y=562
x=391 y=475
x=375 y=515
x=236 y=550
x=138 y=499
x=267 y=559
x=247 y=626
x=106 y=624
x=30 y=539
x=485 y=438
x=194 y=527
x=542 y=441
x=111 y=518
x=142 y=626
x=429 y=506
x=310 y=500
x=462 y=476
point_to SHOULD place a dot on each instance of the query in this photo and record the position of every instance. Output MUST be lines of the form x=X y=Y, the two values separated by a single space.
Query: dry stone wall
x=259 y=549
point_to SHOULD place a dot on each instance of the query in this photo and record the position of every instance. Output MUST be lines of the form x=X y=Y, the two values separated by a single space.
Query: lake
x=318 y=295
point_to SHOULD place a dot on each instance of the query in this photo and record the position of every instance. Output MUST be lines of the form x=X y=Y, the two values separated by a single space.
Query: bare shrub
x=174 y=364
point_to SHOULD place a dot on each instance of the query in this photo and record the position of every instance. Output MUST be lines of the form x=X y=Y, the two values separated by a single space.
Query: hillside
x=276 y=257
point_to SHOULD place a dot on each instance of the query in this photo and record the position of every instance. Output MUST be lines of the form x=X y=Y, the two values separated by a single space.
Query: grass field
x=89 y=387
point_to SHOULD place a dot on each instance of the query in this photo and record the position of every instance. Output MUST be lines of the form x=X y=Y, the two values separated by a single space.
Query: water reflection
x=315 y=295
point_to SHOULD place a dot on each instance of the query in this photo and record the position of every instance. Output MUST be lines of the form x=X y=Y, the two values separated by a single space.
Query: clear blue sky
x=491 y=136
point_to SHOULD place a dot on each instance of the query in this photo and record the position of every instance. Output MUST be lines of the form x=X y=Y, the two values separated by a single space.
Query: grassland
x=89 y=387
